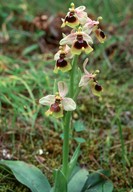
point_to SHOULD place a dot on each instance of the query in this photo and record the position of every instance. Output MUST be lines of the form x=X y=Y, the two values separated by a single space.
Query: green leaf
x=98 y=182
x=79 y=126
x=60 y=182
x=28 y=175
x=79 y=139
x=78 y=180
x=73 y=161
x=106 y=186
x=29 y=49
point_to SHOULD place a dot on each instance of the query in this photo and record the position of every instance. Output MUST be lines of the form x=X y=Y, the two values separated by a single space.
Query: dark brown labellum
x=102 y=34
x=80 y=43
x=98 y=87
x=61 y=63
x=55 y=107
x=71 y=18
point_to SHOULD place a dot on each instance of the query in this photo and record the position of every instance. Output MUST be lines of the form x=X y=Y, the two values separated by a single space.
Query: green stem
x=67 y=121
x=72 y=76
x=66 y=143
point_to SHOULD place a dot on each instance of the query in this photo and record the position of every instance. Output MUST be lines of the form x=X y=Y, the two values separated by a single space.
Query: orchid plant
x=69 y=177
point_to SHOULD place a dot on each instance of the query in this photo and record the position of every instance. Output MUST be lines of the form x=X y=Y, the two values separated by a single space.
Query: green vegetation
x=26 y=64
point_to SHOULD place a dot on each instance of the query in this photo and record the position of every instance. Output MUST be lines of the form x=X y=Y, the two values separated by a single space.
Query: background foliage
x=26 y=64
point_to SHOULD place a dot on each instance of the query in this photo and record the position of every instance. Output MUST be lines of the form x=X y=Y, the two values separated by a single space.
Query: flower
x=62 y=59
x=96 y=88
x=58 y=102
x=92 y=26
x=79 y=41
x=100 y=35
x=89 y=78
x=75 y=16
